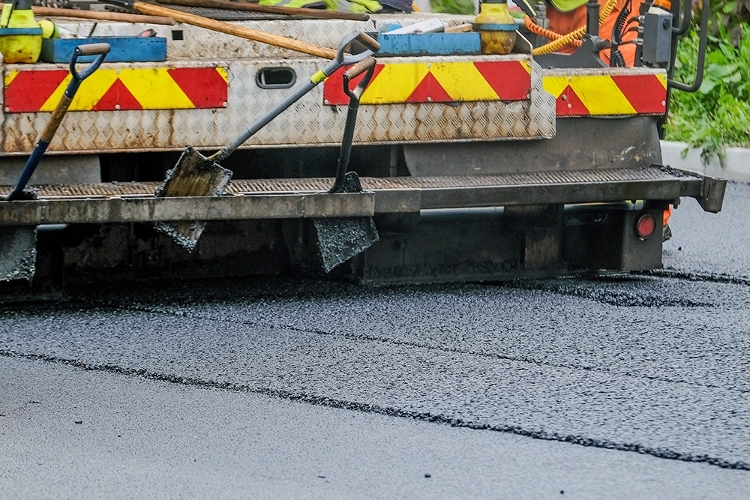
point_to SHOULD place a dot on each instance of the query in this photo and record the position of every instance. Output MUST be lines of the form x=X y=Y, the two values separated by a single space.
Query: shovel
x=98 y=49
x=198 y=175
x=340 y=239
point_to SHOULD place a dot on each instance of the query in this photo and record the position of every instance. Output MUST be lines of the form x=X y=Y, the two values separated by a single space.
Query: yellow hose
x=564 y=40
x=551 y=35
x=607 y=10
x=560 y=42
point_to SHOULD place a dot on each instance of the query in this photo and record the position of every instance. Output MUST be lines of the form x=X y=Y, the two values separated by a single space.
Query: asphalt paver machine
x=460 y=165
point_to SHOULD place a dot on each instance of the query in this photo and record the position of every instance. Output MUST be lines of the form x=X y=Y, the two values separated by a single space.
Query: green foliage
x=728 y=14
x=718 y=114
x=452 y=6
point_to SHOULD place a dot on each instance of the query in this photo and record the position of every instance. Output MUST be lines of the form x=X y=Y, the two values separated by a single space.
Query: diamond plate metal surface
x=306 y=123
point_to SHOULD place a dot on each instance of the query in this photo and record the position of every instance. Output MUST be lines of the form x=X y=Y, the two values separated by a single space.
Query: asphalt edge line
x=664 y=453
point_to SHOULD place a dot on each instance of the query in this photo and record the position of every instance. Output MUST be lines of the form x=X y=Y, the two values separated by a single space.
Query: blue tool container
x=422 y=44
x=122 y=49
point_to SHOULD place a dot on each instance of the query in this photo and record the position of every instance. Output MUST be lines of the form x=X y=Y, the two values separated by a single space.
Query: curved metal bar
x=687 y=17
x=701 y=53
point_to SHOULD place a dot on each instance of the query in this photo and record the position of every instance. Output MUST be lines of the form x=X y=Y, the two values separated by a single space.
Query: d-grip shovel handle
x=98 y=49
x=368 y=65
x=90 y=49
x=359 y=68
x=368 y=41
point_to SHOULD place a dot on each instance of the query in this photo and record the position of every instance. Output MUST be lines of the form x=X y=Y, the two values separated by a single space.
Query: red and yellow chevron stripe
x=611 y=95
x=454 y=81
x=118 y=89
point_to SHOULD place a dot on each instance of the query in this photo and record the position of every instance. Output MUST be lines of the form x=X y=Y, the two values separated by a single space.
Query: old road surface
x=624 y=387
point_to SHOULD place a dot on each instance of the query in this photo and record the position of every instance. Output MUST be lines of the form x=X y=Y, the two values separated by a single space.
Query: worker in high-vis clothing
x=361 y=6
x=566 y=16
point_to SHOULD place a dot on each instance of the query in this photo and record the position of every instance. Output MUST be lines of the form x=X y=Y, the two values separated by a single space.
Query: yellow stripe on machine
x=109 y=89
x=472 y=80
x=395 y=83
x=463 y=82
x=155 y=88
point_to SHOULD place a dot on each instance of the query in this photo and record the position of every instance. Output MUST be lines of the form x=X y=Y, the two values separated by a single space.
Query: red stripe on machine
x=644 y=92
x=205 y=87
x=429 y=90
x=509 y=79
x=117 y=97
x=29 y=90
x=569 y=104
x=333 y=87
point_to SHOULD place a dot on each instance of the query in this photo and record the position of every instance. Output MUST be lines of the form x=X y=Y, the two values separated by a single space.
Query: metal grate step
x=316 y=185
x=308 y=197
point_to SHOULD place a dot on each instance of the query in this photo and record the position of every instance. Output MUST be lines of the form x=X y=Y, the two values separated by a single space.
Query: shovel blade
x=340 y=239
x=193 y=175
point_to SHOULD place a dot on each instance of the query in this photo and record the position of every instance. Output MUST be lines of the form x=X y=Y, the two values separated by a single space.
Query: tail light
x=645 y=226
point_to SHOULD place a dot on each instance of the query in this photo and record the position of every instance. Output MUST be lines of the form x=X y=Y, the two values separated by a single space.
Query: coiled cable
x=559 y=41
x=616 y=58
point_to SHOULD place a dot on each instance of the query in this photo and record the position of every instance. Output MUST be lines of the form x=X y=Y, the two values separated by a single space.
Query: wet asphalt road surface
x=621 y=387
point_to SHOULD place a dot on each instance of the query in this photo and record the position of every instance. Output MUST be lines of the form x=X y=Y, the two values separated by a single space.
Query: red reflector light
x=645 y=226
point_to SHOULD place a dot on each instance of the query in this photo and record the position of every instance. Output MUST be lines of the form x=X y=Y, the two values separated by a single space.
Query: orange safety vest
x=565 y=22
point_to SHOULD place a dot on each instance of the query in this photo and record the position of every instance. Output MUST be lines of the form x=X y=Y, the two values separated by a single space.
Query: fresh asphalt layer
x=72 y=433
x=488 y=388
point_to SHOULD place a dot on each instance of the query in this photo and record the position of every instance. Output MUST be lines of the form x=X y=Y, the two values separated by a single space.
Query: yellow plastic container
x=21 y=41
x=496 y=27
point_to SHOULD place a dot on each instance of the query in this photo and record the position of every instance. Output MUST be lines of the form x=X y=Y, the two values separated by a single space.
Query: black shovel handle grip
x=359 y=68
x=368 y=41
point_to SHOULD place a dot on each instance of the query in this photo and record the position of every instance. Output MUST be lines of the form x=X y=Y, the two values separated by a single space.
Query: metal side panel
x=58 y=169
x=114 y=109
x=306 y=198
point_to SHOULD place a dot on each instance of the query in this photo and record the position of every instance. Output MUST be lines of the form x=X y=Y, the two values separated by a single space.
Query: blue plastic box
x=421 y=44
x=122 y=49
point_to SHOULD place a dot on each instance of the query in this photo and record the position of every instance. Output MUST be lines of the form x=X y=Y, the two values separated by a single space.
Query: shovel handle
x=368 y=41
x=354 y=94
x=359 y=68
x=91 y=49
x=100 y=50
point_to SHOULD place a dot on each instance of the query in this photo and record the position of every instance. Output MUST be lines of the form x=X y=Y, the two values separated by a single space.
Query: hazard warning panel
x=450 y=81
x=34 y=90
x=618 y=93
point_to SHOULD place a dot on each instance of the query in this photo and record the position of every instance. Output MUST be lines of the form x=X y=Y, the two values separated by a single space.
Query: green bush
x=718 y=114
